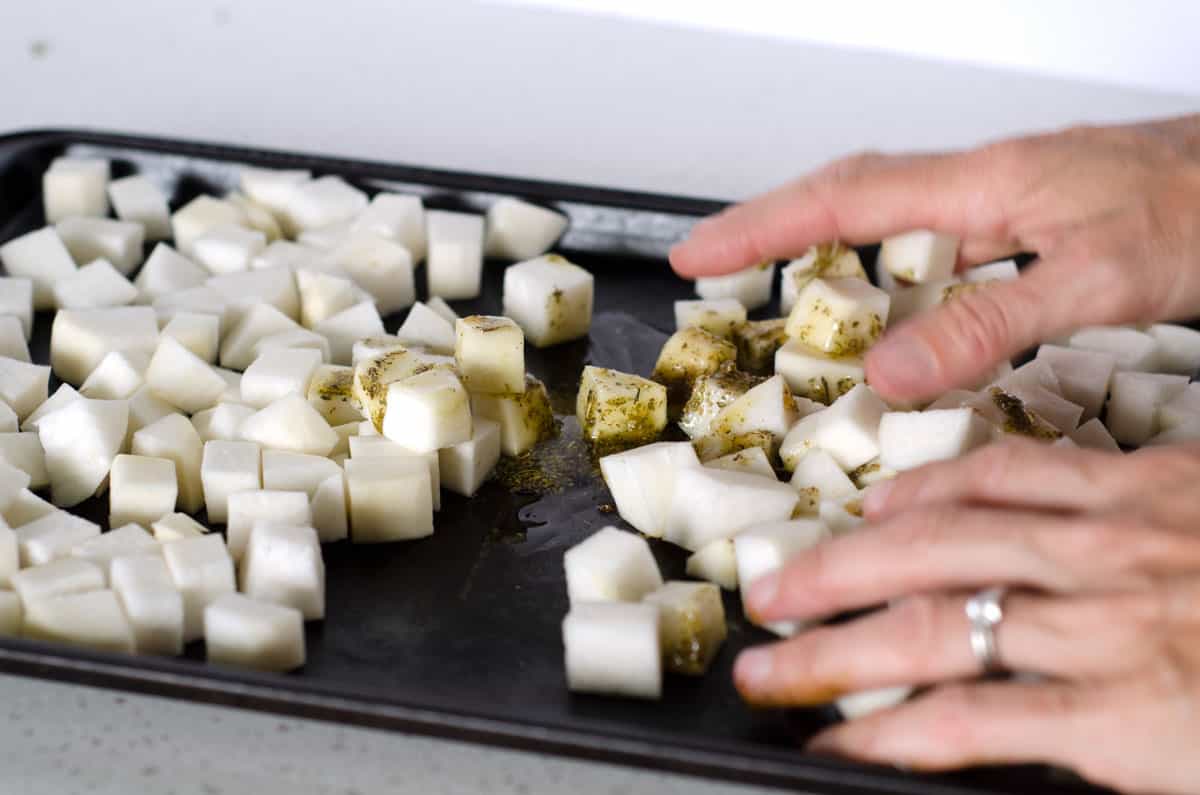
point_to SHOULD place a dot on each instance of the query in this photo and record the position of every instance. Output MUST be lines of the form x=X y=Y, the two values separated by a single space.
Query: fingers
x=860 y=199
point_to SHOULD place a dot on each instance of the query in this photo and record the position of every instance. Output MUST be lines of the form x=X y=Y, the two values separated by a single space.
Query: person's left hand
x=1102 y=552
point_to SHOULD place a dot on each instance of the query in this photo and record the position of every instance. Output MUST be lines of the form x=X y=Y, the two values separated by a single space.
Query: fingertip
x=752 y=671
x=875 y=501
x=902 y=367
x=762 y=594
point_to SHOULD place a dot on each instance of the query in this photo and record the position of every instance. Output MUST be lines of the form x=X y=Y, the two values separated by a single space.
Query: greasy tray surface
x=458 y=635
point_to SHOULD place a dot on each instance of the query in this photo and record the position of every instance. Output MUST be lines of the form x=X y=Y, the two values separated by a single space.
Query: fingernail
x=762 y=592
x=875 y=500
x=903 y=364
x=753 y=668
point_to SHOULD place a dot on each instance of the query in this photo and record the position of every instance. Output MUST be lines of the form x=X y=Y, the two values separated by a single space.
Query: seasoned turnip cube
x=708 y=504
x=714 y=446
x=619 y=409
x=390 y=498
x=751 y=287
x=323 y=202
x=919 y=256
x=90 y=239
x=428 y=411
x=228 y=248
x=1132 y=349
x=75 y=186
x=464 y=467
x=129 y=539
x=752 y=460
x=64 y=395
x=137 y=200
x=1136 y=398
x=259 y=322
x=203 y=572
x=1001 y=271
x=395 y=217
x=80 y=338
x=152 y=603
x=687 y=355
x=610 y=565
x=11 y=614
x=373 y=377
x=842 y=515
x=716 y=563
x=16 y=300
x=250 y=634
x=347 y=327
x=800 y=440
x=691 y=625
x=166 y=271
x=455 y=254
x=141 y=489
x=909 y=439
x=12 y=339
x=290 y=423
x=757 y=342
x=42 y=258
x=23 y=386
x=94 y=286
x=490 y=353
x=64 y=576
x=277 y=374
x=331 y=393
x=370 y=347
x=283 y=566
x=812 y=374
x=1059 y=412
x=381 y=267
x=176 y=527
x=248 y=507
x=550 y=298
x=81 y=441
x=519 y=230
x=93 y=619
x=849 y=429
x=1178 y=348
x=228 y=468
x=842 y=317
x=182 y=378
x=613 y=649
x=525 y=419
x=53 y=537
x=642 y=482
x=871 y=473
x=765 y=548
x=824 y=261
x=118 y=376
x=864 y=702
x=718 y=317
x=1094 y=435
x=1083 y=376
x=710 y=395
x=428 y=329
x=766 y=407
x=818 y=477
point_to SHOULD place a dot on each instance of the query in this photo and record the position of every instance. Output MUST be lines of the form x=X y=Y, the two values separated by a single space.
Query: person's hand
x=1103 y=555
x=1112 y=214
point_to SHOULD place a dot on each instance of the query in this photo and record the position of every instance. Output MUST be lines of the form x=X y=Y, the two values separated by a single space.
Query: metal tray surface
x=458 y=635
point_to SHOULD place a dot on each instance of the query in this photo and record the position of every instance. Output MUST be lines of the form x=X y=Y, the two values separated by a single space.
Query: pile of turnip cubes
x=241 y=374
x=785 y=436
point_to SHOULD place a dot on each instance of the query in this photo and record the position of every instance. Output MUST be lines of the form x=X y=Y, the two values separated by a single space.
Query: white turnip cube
x=41 y=257
x=128 y=539
x=198 y=216
x=93 y=620
x=323 y=295
x=921 y=255
x=842 y=317
x=751 y=287
x=272 y=188
x=12 y=339
x=11 y=614
x=615 y=408
x=611 y=565
x=428 y=411
x=395 y=217
x=182 y=378
x=1181 y=409
x=762 y=549
x=715 y=562
x=228 y=468
x=53 y=537
x=94 y=286
x=23 y=386
x=199 y=333
x=223 y=422
x=290 y=423
x=152 y=603
x=1134 y=403
x=228 y=248
x=258 y=217
x=326 y=238
x=381 y=267
x=16 y=300
x=63 y=576
x=250 y=634
x=464 y=467
x=752 y=460
x=8 y=418
x=1178 y=348
x=1000 y=271
x=286 y=254
x=864 y=702
x=525 y=419
x=428 y=329
x=642 y=482
x=10 y=555
x=202 y=300
x=329 y=509
x=1132 y=349
x=439 y=305
x=718 y=317
x=376 y=446
x=203 y=572
x=909 y=439
x=849 y=428
x=23 y=507
x=818 y=477
x=277 y=374
x=550 y=299
x=613 y=649
x=13 y=482
x=283 y=471
x=490 y=353
x=75 y=186
x=167 y=271
x=141 y=489
x=331 y=393
x=454 y=259
x=176 y=527
x=137 y=200
x=1185 y=433
x=390 y=499
x=814 y=375
x=119 y=376
x=248 y=507
x=173 y=437
x=63 y=396
x=519 y=230
x=81 y=338
x=292 y=340
x=81 y=441
x=24 y=451
x=1083 y=375
x=243 y=290
x=90 y=239
x=259 y=322
x=708 y=504
x=765 y=407
x=1092 y=434
x=324 y=202
x=282 y=565
x=347 y=327
x=691 y=625
x=824 y=261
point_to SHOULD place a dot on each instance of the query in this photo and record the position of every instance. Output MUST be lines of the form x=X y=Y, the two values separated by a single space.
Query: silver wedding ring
x=985 y=612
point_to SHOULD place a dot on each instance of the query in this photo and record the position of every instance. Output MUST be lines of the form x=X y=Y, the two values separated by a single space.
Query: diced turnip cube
x=687 y=355
x=752 y=460
x=1003 y=271
x=203 y=572
x=347 y=327
x=273 y=188
x=757 y=342
x=137 y=200
x=244 y=290
x=1185 y=433
x=152 y=603
x=909 y=439
x=11 y=614
x=439 y=305
x=90 y=239
x=323 y=295
x=260 y=321
x=248 y=507
x=16 y=300
x=376 y=446
x=390 y=498
x=129 y=539
x=227 y=468
x=864 y=702
x=849 y=428
x=381 y=267
x=12 y=339
x=710 y=394
x=716 y=563
x=550 y=298
x=800 y=440
x=323 y=202
x=825 y=261
x=283 y=471
x=24 y=508
x=611 y=565
x=691 y=625
x=1181 y=409
x=371 y=347
x=762 y=549
x=282 y=565
x=519 y=230
x=200 y=215
x=842 y=317
x=80 y=338
x=919 y=256
x=395 y=217
x=293 y=340
x=1136 y=398
x=176 y=527
x=290 y=423
x=329 y=509
x=871 y=473
x=81 y=441
x=751 y=287
x=41 y=257
x=10 y=555
x=708 y=504
x=1178 y=348
x=13 y=482
x=258 y=217
x=94 y=286
x=464 y=467
x=166 y=271
x=490 y=353
x=286 y=254
x=331 y=392
x=53 y=537
x=1132 y=349
x=613 y=649
x=454 y=254
x=907 y=302
x=93 y=619
x=182 y=378
x=525 y=419
x=223 y=422
x=718 y=317
x=63 y=396
x=64 y=576
x=199 y=333
x=1092 y=434
x=1083 y=375
x=842 y=515
x=250 y=634
x=620 y=409
x=173 y=437
x=766 y=407
x=818 y=477
x=119 y=376
x=8 y=418
x=203 y=300
x=277 y=374
x=642 y=482
x=428 y=411
x=75 y=186
x=24 y=451
x=814 y=375
x=1059 y=412
x=326 y=238
x=141 y=489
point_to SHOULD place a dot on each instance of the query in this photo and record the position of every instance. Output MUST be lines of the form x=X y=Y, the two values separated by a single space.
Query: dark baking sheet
x=458 y=635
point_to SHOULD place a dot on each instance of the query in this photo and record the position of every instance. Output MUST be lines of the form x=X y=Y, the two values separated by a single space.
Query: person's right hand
x=1113 y=214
